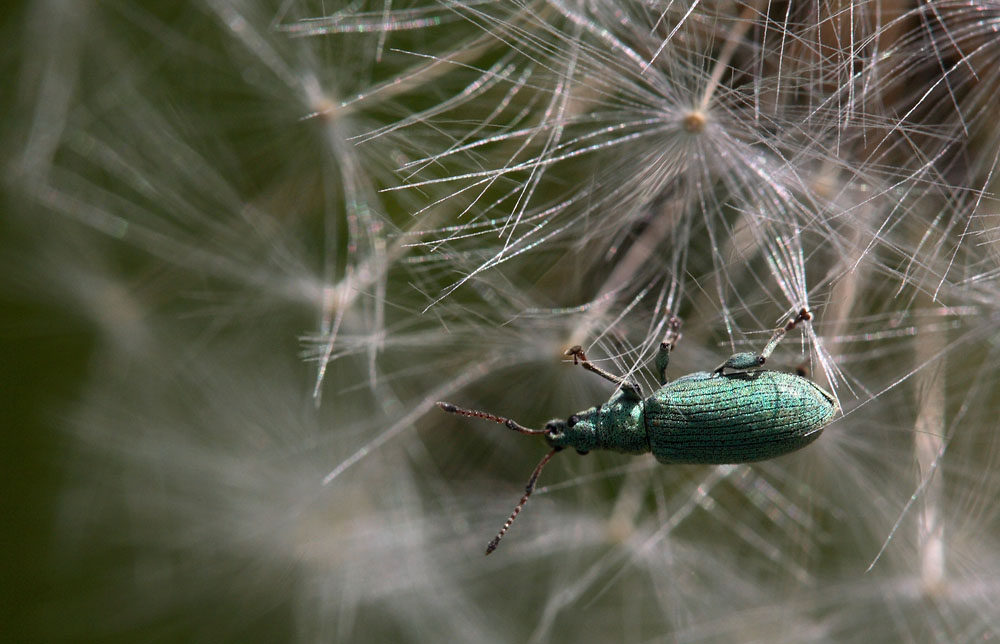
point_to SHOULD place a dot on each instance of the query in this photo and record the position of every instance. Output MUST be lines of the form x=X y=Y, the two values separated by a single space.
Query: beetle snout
x=555 y=427
x=555 y=432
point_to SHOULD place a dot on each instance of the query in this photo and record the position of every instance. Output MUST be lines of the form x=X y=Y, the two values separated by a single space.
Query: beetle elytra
x=704 y=417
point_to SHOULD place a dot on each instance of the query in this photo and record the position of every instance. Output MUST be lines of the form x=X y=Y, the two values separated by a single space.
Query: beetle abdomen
x=735 y=418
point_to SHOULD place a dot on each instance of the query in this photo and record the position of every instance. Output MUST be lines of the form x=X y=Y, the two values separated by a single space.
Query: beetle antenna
x=528 y=489
x=474 y=413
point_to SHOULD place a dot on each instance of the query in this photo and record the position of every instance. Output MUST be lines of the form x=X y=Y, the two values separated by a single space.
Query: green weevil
x=704 y=418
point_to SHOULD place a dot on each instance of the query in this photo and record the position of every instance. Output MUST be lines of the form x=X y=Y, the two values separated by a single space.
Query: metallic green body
x=735 y=418
x=706 y=418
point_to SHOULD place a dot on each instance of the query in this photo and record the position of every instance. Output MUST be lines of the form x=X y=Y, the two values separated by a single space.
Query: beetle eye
x=550 y=427
x=761 y=359
x=573 y=420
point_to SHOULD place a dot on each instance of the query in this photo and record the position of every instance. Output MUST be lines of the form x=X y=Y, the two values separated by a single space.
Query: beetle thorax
x=621 y=426
x=617 y=425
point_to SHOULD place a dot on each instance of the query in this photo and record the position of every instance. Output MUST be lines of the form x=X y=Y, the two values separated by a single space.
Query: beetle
x=713 y=417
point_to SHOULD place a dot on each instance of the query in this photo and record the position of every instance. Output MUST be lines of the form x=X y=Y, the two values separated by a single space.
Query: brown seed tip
x=695 y=122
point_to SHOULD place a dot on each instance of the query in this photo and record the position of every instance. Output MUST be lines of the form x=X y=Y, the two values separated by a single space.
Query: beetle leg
x=630 y=387
x=669 y=341
x=741 y=362
x=751 y=360
x=779 y=333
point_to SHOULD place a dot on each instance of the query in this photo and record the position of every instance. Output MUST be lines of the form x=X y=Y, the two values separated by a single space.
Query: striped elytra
x=735 y=418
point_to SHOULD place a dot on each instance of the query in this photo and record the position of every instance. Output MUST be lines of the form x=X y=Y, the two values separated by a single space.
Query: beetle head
x=577 y=431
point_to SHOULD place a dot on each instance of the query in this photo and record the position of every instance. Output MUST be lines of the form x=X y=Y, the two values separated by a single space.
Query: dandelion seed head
x=278 y=235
